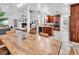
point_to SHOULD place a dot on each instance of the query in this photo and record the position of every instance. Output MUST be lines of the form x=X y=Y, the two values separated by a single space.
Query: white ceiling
x=49 y=8
x=52 y=8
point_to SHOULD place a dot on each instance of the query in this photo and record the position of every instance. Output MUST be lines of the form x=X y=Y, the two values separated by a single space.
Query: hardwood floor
x=32 y=45
x=65 y=47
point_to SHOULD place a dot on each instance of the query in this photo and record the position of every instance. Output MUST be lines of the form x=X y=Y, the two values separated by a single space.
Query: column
x=28 y=21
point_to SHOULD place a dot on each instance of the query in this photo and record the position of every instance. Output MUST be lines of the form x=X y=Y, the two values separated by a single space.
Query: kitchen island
x=46 y=29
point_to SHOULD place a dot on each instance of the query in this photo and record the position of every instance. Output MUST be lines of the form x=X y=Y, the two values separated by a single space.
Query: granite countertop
x=4 y=27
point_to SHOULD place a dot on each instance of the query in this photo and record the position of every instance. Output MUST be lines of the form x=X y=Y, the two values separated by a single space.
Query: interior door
x=73 y=29
x=77 y=22
x=73 y=24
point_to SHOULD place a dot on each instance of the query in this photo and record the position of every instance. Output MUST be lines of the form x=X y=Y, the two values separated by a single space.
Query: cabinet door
x=57 y=18
x=50 y=19
x=47 y=30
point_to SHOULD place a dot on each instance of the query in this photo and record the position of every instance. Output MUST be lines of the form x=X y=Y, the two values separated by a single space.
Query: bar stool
x=3 y=49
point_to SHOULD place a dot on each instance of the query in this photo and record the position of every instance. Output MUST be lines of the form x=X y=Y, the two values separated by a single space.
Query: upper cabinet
x=55 y=20
x=50 y=19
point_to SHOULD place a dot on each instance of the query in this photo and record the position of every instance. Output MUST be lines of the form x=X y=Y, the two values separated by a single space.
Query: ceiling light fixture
x=39 y=6
x=20 y=4
x=7 y=7
x=65 y=3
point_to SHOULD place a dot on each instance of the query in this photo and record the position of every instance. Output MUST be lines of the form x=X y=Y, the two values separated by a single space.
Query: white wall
x=11 y=13
x=63 y=34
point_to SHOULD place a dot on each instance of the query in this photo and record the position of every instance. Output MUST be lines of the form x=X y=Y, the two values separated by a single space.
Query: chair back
x=73 y=51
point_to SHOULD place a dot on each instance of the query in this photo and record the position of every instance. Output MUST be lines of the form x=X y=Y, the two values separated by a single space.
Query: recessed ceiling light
x=65 y=3
x=20 y=4
x=7 y=7
x=39 y=6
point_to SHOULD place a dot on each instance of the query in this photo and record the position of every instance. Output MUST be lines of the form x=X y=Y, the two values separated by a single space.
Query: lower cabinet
x=48 y=30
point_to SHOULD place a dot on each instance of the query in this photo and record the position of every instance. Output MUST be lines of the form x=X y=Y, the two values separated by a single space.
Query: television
x=24 y=24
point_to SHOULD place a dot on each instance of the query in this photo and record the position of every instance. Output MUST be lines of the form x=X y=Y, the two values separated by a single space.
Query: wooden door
x=77 y=22
x=74 y=23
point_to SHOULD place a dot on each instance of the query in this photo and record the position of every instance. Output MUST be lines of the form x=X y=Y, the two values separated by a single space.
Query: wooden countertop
x=32 y=45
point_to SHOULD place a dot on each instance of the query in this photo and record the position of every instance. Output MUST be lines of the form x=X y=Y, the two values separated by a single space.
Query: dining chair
x=3 y=49
x=73 y=51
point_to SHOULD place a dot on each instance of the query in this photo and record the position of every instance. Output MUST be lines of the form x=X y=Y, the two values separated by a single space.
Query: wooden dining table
x=32 y=45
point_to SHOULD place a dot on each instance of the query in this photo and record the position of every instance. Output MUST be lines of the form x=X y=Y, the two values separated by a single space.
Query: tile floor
x=66 y=45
